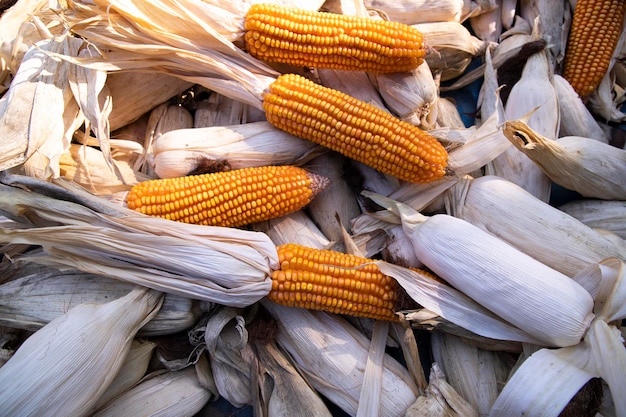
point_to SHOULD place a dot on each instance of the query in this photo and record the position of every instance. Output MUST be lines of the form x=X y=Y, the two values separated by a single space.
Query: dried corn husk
x=182 y=152
x=134 y=368
x=599 y=214
x=554 y=19
x=540 y=300
x=576 y=119
x=548 y=379
x=448 y=114
x=508 y=13
x=39 y=109
x=412 y=96
x=174 y=393
x=218 y=110
x=336 y=205
x=592 y=168
x=488 y=25
x=31 y=299
x=63 y=368
x=283 y=390
x=88 y=167
x=134 y=93
x=441 y=399
x=534 y=89
x=297 y=227
x=223 y=265
x=506 y=210
x=357 y=85
x=332 y=355
x=476 y=374
x=454 y=47
x=423 y=11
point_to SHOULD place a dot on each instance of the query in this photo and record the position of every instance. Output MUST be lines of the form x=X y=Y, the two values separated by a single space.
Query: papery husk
x=589 y=167
x=602 y=102
x=63 y=368
x=37 y=295
x=508 y=211
x=135 y=93
x=599 y=214
x=174 y=393
x=131 y=372
x=576 y=119
x=88 y=167
x=448 y=114
x=332 y=356
x=423 y=11
x=453 y=47
x=548 y=379
x=296 y=227
x=547 y=304
x=441 y=399
x=476 y=374
x=230 y=356
x=224 y=265
x=412 y=96
x=555 y=21
x=508 y=12
x=39 y=114
x=533 y=92
x=357 y=84
x=488 y=94
x=487 y=25
x=283 y=390
x=336 y=205
x=218 y=110
x=183 y=152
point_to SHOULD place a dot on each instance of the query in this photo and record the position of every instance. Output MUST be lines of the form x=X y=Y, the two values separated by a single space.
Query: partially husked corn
x=354 y=128
x=276 y=33
x=595 y=32
x=230 y=198
x=332 y=281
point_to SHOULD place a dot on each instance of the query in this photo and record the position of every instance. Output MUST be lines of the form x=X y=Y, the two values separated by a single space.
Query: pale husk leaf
x=599 y=214
x=223 y=265
x=63 y=368
x=174 y=393
x=180 y=152
x=36 y=296
x=370 y=397
x=488 y=25
x=508 y=211
x=332 y=355
x=590 y=167
x=296 y=227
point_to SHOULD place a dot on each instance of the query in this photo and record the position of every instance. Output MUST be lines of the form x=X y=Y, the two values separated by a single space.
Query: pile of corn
x=278 y=207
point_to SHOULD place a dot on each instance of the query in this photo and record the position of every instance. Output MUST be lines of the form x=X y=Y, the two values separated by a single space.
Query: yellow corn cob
x=596 y=28
x=354 y=128
x=294 y=36
x=332 y=281
x=231 y=198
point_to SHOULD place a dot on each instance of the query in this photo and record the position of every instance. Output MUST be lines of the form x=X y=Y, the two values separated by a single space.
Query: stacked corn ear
x=199 y=150
x=530 y=224
x=534 y=92
x=131 y=372
x=607 y=215
x=590 y=167
x=176 y=393
x=37 y=295
x=105 y=238
x=455 y=47
x=310 y=337
x=476 y=374
x=75 y=356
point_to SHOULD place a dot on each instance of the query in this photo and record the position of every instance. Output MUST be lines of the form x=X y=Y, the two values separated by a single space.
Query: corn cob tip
x=318 y=183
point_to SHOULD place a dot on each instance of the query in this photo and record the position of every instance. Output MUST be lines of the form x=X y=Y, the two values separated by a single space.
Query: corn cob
x=230 y=198
x=596 y=28
x=354 y=129
x=299 y=37
x=332 y=281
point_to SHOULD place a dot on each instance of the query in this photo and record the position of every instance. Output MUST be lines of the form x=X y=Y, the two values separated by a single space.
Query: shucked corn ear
x=294 y=36
x=596 y=29
x=332 y=281
x=354 y=128
x=230 y=198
